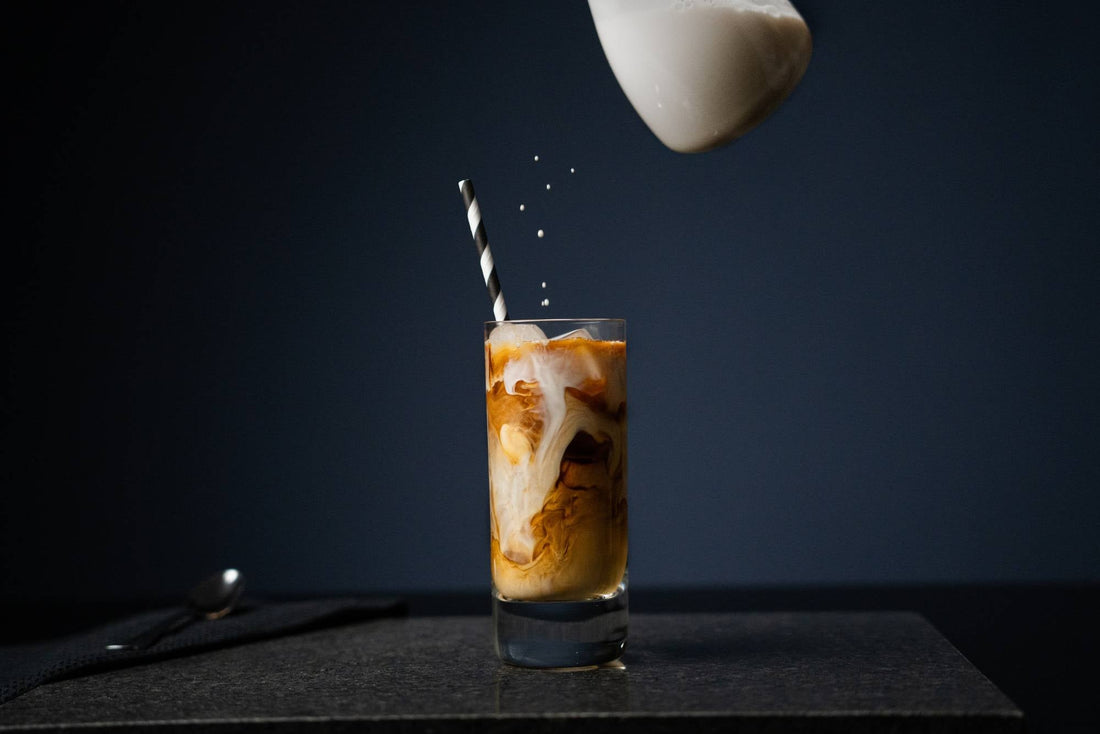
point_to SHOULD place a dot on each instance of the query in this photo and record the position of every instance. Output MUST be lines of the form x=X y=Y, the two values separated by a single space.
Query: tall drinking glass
x=555 y=399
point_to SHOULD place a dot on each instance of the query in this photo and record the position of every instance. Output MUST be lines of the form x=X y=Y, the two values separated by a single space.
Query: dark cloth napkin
x=22 y=667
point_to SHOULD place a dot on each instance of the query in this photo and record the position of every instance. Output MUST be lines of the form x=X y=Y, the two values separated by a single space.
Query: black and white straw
x=488 y=269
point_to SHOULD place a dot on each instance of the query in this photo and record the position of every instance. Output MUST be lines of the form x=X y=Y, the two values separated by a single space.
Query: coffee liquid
x=556 y=414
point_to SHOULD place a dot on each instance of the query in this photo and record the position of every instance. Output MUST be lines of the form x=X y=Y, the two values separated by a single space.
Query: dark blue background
x=245 y=311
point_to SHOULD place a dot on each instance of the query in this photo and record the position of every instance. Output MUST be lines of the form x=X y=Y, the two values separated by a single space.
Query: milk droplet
x=547 y=187
x=572 y=170
x=544 y=284
x=536 y=159
x=541 y=233
x=545 y=302
x=522 y=207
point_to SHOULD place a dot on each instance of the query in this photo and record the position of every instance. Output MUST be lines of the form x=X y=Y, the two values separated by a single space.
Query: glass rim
x=558 y=321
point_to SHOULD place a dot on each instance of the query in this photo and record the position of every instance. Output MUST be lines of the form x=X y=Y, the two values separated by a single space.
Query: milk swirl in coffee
x=556 y=412
x=703 y=72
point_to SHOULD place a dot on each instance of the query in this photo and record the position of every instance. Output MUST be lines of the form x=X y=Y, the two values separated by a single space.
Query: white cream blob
x=703 y=73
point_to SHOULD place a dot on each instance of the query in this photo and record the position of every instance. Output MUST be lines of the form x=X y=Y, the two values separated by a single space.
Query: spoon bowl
x=216 y=596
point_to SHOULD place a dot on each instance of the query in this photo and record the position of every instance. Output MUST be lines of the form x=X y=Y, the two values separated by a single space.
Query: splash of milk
x=520 y=491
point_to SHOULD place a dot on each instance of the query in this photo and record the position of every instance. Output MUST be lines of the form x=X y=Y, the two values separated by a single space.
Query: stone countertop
x=752 y=671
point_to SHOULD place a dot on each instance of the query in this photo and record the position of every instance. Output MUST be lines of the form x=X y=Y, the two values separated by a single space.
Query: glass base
x=560 y=634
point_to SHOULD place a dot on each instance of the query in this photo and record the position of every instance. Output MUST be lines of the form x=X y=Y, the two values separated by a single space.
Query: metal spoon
x=213 y=598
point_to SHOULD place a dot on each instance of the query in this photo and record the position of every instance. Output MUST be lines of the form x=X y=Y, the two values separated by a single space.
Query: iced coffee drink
x=555 y=396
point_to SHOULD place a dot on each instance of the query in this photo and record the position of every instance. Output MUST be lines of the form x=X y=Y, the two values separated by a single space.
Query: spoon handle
x=150 y=636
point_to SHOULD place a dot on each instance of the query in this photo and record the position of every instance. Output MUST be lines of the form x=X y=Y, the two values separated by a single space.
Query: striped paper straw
x=488 y=269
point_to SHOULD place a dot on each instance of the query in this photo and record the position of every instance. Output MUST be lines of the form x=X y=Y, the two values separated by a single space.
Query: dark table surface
x=736 y=654
x=756 y=671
